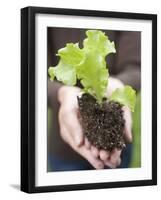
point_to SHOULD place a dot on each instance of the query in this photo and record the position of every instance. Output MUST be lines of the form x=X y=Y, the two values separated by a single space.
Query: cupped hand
x=71 y=131
x=113 y=159
x=70 y=128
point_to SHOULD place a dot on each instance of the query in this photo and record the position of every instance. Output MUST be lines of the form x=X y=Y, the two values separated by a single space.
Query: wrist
x=61 y=93
x=113 y=84
x=67 y=91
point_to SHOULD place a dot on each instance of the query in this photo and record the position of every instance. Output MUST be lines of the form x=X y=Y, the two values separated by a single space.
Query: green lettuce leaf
x=92 y=71
x=51 y=73
x=64 y=73
x=97 y=41
x=93 y=75
x=87 y=64
x=71 y=54
x=125 y=96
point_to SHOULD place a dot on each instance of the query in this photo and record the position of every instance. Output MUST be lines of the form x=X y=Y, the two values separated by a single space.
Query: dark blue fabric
x=126 y=156
x=58 y=164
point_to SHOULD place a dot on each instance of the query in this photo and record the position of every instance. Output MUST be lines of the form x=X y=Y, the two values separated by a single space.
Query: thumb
x=74 y=127
x=128 y=124
x=128 y=134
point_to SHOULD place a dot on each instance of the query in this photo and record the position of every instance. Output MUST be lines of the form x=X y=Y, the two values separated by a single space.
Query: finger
x=128 y=124
x=65 y=135
x=128 y=135
x=119 y=162
x=74 y=127
x=87 y=143
x=109 y=164
x=94 y=151
x=104 y=155
x=114 y=157
x=112 y=165
x=83 y=151
x=95 y=162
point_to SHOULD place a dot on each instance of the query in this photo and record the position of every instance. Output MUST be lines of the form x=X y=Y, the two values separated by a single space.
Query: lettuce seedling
x=88 y=65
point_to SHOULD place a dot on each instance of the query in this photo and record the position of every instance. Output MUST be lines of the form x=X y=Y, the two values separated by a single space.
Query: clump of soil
x=102 y=124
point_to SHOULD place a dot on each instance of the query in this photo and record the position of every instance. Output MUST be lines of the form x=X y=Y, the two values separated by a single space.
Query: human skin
x=71 y=130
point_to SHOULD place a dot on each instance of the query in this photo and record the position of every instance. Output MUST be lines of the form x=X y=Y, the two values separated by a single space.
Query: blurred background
x=125 y=65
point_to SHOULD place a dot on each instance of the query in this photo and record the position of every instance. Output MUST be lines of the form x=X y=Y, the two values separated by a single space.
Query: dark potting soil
x=102 y=124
